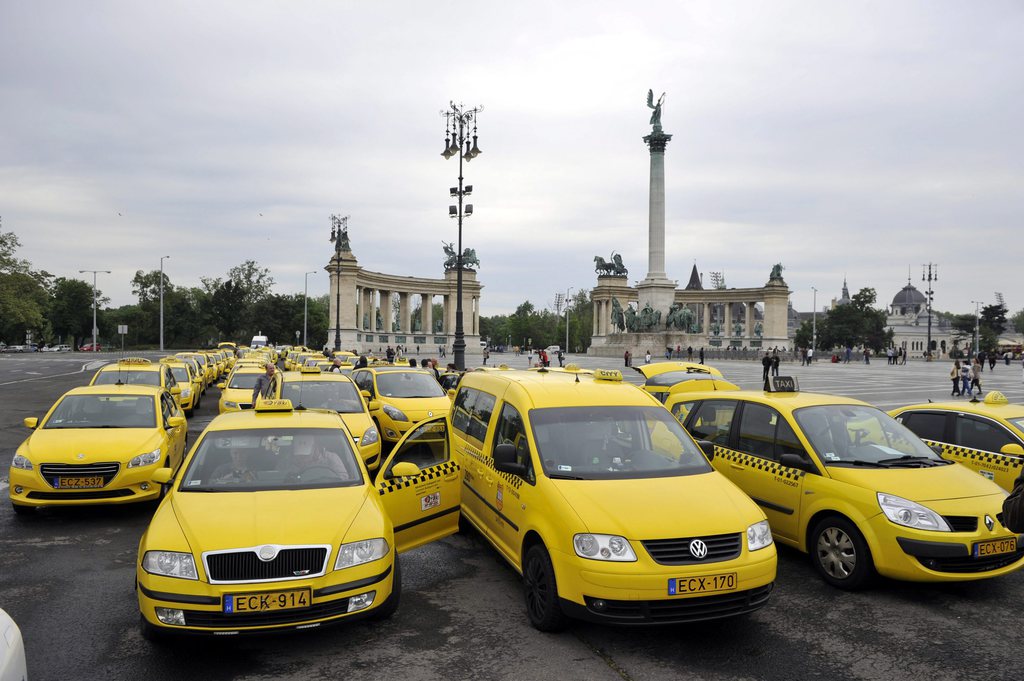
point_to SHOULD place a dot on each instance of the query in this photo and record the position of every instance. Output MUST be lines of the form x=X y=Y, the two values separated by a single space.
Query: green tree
x=1017 y=321
x=855 y=324
x=71 y=310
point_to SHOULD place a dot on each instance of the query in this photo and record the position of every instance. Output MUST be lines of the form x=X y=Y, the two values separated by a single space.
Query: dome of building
x=908 y=296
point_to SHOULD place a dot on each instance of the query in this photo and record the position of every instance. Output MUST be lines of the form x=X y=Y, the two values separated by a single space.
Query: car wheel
x=23 y=511
x=840 y=554
x=390 y=606
x=541 y=591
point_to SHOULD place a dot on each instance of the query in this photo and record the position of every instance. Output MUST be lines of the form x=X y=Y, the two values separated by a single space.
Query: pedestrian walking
x=991 y=361
x=625 y=358
x=647 y=357
x=867 y=356
x=689 y=353
x=701 y=354
x=965 y=379
x=766 y=365
x=889 y=355
x=810 y=356
x=775 y=363
x=976 y=370
x=954 y=375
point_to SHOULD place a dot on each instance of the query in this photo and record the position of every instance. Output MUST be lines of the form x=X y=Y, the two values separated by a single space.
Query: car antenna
x=577 y=378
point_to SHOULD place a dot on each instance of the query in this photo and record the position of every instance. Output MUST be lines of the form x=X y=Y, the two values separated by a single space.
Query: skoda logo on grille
x=267 y=553
x=989 y=523
x=698 y=549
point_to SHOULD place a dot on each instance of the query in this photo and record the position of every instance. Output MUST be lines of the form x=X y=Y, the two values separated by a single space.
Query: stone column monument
x=656 y=290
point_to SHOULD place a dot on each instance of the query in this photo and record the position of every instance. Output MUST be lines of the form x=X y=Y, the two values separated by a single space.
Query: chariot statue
x=611 y=267
x=776 y=274
x=451 y=262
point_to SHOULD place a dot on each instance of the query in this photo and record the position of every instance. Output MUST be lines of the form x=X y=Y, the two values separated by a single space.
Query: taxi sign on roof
x=273 y=405
x=311 y=369
x=783 y=384
x=133 y=361
x=607 y=375
x=996 y=397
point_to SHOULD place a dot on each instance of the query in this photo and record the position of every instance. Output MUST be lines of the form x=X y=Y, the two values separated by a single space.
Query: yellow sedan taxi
x=404 y=396
x=236 y=391
x=314 y=389
x=599 y=498
x=138 y=371
x=273 y=524
x=844 y=482
x=986 y=436
x=190 y=383
x=98 y=444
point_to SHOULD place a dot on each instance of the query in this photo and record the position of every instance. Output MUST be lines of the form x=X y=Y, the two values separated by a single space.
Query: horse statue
x=680 y=317
x=776 y=274
x=451 y=257
x=618 y=317
x=469 y=259
x=602 y=267
x=620 y=269
x=632 y=321
x=649 y=318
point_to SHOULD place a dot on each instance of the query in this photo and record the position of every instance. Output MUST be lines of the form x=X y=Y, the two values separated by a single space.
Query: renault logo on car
x=989 y=523
x=698 y=549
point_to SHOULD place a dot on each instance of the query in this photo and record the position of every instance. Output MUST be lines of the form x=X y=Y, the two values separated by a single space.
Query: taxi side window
x=169 y=378
x=512 y=431
x=786 y=441
x=981 y=434
x=681 y=410
x=426 y=446
x=364 y=381
x=927 y=425
x=168 y=412
x=757 y=430
x=713 y=421
x=472 y=413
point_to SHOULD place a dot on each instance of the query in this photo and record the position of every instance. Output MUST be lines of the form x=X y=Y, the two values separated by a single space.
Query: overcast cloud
x=853 y=138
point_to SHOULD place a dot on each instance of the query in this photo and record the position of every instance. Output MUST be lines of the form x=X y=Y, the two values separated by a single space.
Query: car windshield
x=408 y=384
x=261 y=459
x=244 y=381
x=180 y=374
x=341 y=396
x=614 y=443
x=103 y=411
x=127 y=376
x=851 y=434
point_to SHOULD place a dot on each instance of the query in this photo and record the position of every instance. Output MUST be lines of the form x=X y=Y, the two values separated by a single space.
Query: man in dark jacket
x=1013 y=507
x=766 y=363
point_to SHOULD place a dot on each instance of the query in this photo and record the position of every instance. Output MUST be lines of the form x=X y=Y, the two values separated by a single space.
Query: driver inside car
x=309 y=459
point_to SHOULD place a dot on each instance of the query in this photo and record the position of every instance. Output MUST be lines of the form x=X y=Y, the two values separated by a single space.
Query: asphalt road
x=66 y=577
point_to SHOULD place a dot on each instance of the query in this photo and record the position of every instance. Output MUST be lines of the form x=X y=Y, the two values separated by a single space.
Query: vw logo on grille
x=698 y=549
x=267 y=553
x=989 y=523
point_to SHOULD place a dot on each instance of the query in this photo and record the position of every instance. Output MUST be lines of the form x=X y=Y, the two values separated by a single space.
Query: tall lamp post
x=95 y=331
x=977 y=320
x=567 y=318
x=458 y=121
x=814 y=321
x=162 y=258
x=305 y=307
x=928 y=276
x=339 y=235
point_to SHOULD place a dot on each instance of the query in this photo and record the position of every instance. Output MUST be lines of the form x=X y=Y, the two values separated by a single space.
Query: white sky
x=854 y=138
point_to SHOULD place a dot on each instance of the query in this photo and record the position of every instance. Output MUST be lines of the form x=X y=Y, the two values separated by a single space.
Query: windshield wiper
x=909 y=459
x=857 y=462
x=560 y=476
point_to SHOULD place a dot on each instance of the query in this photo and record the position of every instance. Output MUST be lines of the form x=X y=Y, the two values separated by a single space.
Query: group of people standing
x=966 y=377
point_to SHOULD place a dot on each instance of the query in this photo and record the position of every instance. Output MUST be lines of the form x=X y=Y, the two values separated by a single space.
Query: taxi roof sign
x=133 y=361
x=607 y=375
x=996 y=397
x=783 y=384
x=314 y=369
x=265 y=406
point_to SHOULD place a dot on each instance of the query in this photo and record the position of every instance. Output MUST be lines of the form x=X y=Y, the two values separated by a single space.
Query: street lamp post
x=814 y=321
x=928 y=276
x=458 y=121
x=339 y=236
x=95 y=331
x=305 y=307
x=567 y=318
x=977 y=319
x=162 y=258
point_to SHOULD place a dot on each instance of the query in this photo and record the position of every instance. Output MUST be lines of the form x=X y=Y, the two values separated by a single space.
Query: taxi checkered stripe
x=432 y=473
x=964 y=453
x=513 y=480
x=760 y=464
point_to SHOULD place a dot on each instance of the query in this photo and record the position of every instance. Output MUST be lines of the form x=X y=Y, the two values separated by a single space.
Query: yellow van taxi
x=844 y=482
x=986 y=436
x=236 y=391
x=139 y=371
x=597 y=496
x=313 y=389
x=404 y=396
x=189 y=381
x=665 y=378
x=273 y=523
x=98 y=445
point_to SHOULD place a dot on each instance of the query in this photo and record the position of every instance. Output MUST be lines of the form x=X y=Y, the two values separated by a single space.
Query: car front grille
x=246 y=566
x=677 y=551
x=672 y=610
x=207 y=618
x=967 y=564
x=962 y=523
x=107 y=471
x=70 y=495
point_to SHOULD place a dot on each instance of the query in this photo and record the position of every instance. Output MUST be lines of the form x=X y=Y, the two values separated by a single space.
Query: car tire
x=151 y=632
x=840 y=554
x=23 y=511
x=541 y=591
x=390 y=606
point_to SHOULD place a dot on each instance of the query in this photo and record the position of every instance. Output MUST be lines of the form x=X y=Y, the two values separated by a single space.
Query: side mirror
x=708 y=447
x=366 y=394
x=1011 y=449
x=505 y=460
x=175 y=421
x=796 y=461
x=175 y=389
x=222 y=385
x=451 y=394
x=162 y=476
x=31 y=422
x=373 y=405
x=404 y=469
x=938 y=449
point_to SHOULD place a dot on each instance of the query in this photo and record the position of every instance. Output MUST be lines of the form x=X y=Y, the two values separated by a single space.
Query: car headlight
x=186 y=392
x=603 y=547
x=369 y=437
x=911 y=514
x=170 y=564
x=395 y=414
x=359 y=552
x=759 y=535
x=21 y=462
x=145 y=459
x=231 y=405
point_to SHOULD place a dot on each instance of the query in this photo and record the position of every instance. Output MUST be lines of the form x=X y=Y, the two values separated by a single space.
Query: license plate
x=701 y=585
x=79 y=483
x=236 y=604
x=995 y=547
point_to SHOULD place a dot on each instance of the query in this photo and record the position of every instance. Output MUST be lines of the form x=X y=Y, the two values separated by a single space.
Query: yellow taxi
x=313 y=389
x=986 y=436
x=404 y=396
x=209 y=368
x=197 y=371
x=844 y=482
x=273 y=523
x=139 y=371
x=665 y=378
x=98 y=444
x=236 y=391
x=597 y=496
x=189 y=381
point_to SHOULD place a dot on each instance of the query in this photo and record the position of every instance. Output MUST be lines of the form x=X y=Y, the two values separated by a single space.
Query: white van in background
x=258 y=342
